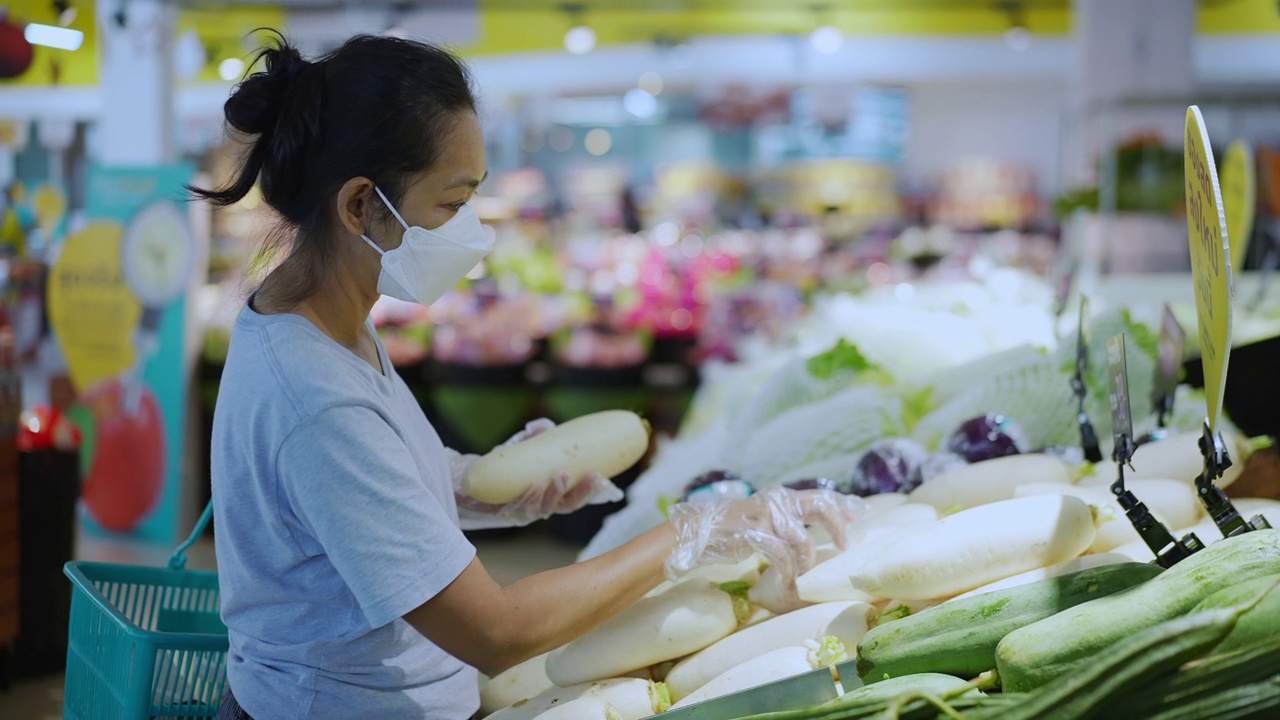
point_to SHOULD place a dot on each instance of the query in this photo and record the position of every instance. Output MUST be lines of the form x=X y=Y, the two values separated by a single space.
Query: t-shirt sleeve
x=353 y=484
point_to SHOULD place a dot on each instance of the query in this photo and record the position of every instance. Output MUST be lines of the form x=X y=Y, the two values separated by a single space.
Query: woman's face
x=434 y=197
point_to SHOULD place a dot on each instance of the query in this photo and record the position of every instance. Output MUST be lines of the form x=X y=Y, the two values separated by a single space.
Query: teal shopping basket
x=145 y=642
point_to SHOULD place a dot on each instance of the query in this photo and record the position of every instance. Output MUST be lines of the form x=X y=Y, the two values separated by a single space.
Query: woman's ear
x=355 y=205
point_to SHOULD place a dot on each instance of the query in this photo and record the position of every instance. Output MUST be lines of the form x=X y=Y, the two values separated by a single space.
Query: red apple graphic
x=126 y=474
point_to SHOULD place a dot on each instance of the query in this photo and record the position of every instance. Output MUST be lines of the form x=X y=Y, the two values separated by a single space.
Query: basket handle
x=178 y=561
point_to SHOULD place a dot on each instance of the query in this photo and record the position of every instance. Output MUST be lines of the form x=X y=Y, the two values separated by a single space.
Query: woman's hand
x=560 y=496
x=771 y=523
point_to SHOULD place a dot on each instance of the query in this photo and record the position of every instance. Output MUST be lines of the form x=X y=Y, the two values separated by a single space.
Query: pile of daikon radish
x=726 y=628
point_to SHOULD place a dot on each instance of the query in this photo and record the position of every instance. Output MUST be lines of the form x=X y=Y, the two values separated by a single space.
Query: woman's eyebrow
x=468 y=182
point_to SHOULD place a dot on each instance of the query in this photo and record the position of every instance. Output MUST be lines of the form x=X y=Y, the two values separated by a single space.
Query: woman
x=348 y=588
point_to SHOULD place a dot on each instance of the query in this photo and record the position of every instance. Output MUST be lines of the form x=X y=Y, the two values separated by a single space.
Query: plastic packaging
x=559 y=496
x=771 y=523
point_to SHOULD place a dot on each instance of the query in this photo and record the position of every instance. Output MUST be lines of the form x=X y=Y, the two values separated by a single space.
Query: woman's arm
x=492 y=627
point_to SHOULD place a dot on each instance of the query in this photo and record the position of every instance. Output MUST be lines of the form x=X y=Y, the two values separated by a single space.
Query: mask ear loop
x=390 y=207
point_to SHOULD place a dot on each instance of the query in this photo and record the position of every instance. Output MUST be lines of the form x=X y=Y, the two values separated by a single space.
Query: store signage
x=1239 y=197
x=1210 y=261
x=117 y=308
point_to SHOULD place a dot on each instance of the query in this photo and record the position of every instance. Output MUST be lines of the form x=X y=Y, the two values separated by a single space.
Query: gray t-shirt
x=335 y=516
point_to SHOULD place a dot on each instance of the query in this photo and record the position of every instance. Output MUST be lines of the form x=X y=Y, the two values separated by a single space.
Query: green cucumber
x=915 y=684
x=1259 y=624
x=1031 y=656
x=960 y=637
x=1117 y=670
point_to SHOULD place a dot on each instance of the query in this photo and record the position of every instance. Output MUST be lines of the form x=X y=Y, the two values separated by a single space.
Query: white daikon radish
x=770 y=594
x=760 y=670
x=849 y=625
x=989 y=481
x=829 y=581
x=614 y=699
x=1176 y=457
x=606 y=442
x=679 y=622
x=1137 y=551
x=757 y=616
x=1173 y=503
x=521 y=682
x=1268 y=508
x=977 y=546
x=792 y=629
x=885 y=501
x=1075 y=565
x=747 y=571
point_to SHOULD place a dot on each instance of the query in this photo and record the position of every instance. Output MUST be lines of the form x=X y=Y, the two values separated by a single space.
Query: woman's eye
x=458 y=206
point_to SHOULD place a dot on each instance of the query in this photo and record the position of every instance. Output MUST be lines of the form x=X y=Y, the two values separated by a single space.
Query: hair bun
x=255 y=105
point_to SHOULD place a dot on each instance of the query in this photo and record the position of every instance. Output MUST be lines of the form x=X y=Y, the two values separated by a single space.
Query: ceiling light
x=650 y=82
x=231 y=69
x=640 y=103
x=580 y=40
x=65 y=11
x=598 y=141
x=1018 y=38
x=54 y=37
x=826 y=39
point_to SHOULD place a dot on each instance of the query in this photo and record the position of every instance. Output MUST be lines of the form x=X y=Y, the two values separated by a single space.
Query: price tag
x=1173 y=343
x=1239 y=197
x=1210 y=261
x=1082 y=341
x=1118 y=392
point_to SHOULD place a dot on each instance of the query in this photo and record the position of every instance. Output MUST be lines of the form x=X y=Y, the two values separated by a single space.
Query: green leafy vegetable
x=895 y=613
x=827 y=651
x=738 y=590
x=844 y=356
x=660 y=696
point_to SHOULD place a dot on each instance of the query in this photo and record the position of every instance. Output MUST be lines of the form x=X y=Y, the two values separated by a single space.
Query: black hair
x=377 y=107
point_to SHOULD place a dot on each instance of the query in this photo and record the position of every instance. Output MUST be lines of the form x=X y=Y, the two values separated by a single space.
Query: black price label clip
x=1088 y=436
x=1216 y=503
x=1168 y=550
x=1173 y=342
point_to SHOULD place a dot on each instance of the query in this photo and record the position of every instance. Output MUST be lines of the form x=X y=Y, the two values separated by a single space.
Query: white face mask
x=429 y=263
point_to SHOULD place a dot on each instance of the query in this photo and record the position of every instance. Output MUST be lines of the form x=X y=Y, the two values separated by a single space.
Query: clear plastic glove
x=771 y=523
x=559 y=496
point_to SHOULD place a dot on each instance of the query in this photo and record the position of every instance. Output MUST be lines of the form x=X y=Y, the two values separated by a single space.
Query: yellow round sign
x=91 y=309
x=50 y=206
x=1239 y=194
x=1210 y=261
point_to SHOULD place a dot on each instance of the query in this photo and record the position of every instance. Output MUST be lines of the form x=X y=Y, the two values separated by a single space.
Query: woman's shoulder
x=281 y=359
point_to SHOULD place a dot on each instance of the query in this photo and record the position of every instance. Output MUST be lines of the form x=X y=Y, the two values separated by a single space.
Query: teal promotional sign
x=117 y=306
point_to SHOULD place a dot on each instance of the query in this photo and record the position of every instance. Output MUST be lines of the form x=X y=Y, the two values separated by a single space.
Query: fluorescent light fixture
x=827 y=39
x=580 y=40
x=54 y=37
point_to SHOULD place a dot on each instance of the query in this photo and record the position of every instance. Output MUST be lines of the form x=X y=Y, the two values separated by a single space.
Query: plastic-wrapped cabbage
x=839 y=425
